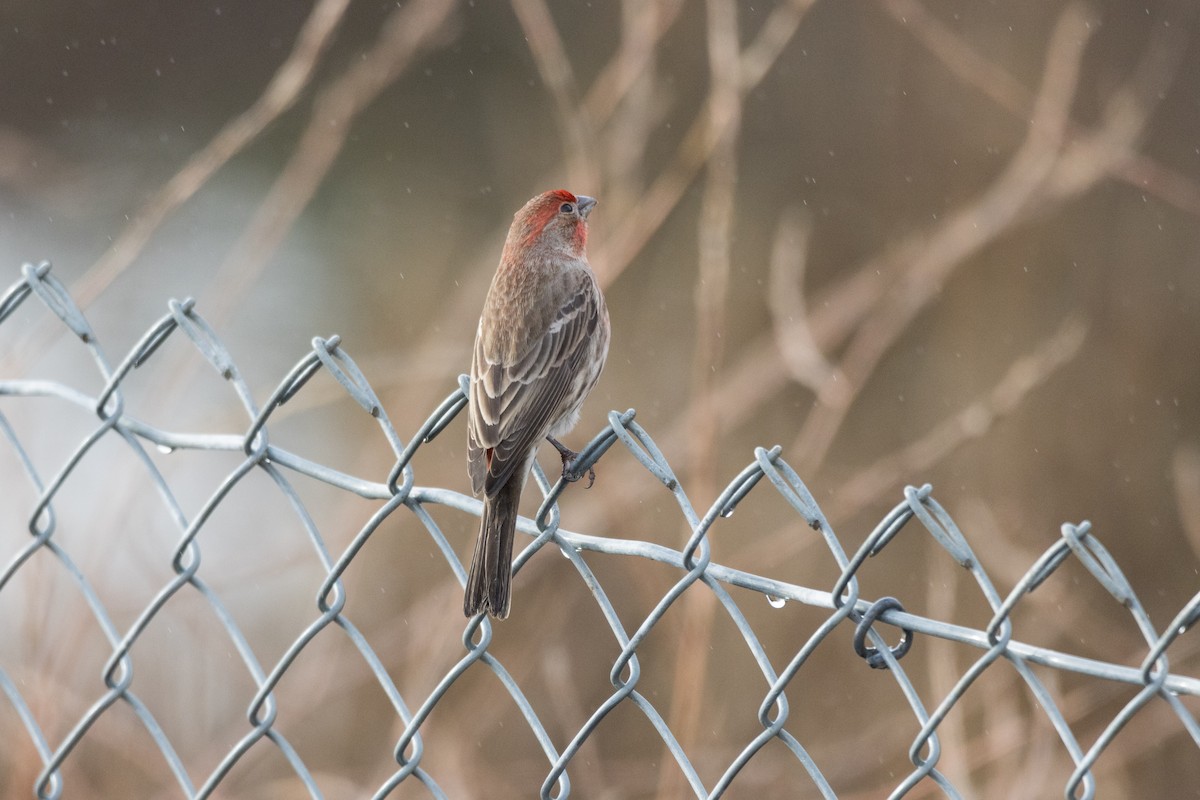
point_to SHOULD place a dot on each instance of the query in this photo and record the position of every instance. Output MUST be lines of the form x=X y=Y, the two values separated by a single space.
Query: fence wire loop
x=158 y=334
x=346 y=372
x=1096 y=558
x=790 y=487
x=872 y=656
x=203 y=337
x=16 y=294
x=260 y=744
x=54 y=295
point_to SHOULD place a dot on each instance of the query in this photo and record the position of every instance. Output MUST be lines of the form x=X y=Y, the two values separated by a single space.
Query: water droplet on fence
x=727 y=512
x=166 y=450
x=776 y=602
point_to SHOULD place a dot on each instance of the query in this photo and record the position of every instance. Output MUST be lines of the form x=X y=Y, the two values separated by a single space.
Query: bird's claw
x=570 y=474
x=569 y=459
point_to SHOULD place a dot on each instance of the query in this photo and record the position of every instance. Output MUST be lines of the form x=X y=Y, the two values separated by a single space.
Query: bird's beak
x=585 y=204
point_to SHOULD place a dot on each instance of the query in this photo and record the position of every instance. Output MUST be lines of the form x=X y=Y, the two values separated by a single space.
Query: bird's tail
x=490 y=580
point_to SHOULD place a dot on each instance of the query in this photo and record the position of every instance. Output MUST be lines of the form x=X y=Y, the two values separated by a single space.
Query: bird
x=540 y=347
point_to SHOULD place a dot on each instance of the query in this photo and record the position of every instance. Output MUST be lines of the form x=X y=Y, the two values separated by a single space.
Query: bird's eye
x=566 y=208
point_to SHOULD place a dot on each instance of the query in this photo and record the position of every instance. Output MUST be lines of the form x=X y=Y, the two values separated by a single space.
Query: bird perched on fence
x=541 y=344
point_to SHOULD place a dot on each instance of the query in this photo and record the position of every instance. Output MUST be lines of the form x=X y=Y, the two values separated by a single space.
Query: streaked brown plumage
x=541 y=345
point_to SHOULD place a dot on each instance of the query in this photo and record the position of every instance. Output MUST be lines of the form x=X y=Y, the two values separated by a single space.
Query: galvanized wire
x=399 y=491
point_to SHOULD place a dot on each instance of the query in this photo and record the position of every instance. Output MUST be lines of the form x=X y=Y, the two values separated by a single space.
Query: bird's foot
x=570 y=473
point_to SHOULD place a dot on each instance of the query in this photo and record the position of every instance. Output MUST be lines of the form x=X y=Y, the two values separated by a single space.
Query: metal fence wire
x=878 y=623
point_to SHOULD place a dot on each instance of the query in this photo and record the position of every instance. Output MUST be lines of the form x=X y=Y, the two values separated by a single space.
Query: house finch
x=540 y=347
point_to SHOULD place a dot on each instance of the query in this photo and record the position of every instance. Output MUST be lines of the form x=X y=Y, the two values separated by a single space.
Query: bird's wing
x=513 y=405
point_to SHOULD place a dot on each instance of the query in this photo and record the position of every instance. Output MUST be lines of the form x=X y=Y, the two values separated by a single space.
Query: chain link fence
x=883 y=632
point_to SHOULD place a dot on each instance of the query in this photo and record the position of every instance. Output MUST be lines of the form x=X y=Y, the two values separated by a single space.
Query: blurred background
x=908 y=241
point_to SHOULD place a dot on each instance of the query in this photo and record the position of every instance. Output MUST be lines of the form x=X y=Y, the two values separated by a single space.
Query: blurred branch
x=289 y=80
x=407 y=32
x=959 y=58
x=759 y=374
x=773 y=36
x=566 y=699
x=1032 y=739
x=34 y=171
x=1185 y=470
x=1046 y=171
x=871 y=483
x=634 y=230
x=973 y=422
x=715 y=236
x=963 y=232
x=1097 y=154
x=641 y=110
x=555 y=68
x=1173 y=187
x=1136 y=169
x=943 y=673
x=802 y=357
x=839 y=310
x=923 y=260
x=634 y=55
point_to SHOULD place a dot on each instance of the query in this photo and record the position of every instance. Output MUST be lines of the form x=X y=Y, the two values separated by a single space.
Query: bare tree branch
x=798 y=348
x=289 y=81
x=973 y=422
x=715 y=236
x=1137 y=169
x=963 y=232
x=555 y=69
x=408 y=31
